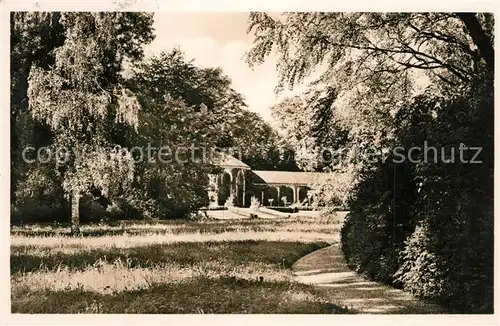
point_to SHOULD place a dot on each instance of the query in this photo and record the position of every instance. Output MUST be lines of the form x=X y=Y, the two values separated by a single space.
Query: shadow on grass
x=282 y=254
x=197 y=295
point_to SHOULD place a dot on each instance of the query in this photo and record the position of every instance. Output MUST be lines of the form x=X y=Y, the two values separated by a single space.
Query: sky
x=219 y=40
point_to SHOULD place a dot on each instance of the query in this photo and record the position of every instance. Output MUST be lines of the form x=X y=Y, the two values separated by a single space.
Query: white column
x=233 y=184
x=244 y=189
x=296 y=191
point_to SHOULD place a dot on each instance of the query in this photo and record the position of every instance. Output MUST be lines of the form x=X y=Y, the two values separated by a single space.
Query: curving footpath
x=327 y=270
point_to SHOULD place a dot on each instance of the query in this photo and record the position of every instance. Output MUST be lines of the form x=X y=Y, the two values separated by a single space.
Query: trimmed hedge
x=218 y=208
x=284 y=209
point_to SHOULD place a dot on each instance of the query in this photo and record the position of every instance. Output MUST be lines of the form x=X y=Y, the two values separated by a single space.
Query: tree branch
x=480 y=38
x=445 y=38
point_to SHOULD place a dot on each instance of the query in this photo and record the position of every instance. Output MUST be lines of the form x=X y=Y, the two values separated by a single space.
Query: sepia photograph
x=257 y=162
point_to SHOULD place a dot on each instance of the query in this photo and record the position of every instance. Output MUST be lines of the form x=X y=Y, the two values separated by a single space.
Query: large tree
x=33 y=38
x=374 y=60
x=186 y=106
x=376 y=49
x=404 y=79
x=309 y=123
x=239 y=129
x=82 y=100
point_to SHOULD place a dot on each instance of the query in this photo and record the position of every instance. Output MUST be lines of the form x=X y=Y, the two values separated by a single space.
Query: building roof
x=286 y=177
x=229 y=161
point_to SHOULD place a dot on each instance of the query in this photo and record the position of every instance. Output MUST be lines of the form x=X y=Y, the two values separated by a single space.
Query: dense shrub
x=216 y=208
x=378 y=222
x=451 y=262
x=449 y=257
x=305 y=208
x=428 y=226
x=91 y=210
x=39 y=199
x=34 y=210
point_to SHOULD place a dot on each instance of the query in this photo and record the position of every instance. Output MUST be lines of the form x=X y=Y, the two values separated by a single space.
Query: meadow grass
x=31 y=258
x=171 y=267
x=71 y=245
x=181 y=227
x=196 y=295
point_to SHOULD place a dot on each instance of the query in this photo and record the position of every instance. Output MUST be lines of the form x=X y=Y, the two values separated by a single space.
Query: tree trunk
x=75 y=213
x=480 y=38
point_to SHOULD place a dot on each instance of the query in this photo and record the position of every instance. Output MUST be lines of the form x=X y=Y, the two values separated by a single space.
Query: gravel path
x=327 y=270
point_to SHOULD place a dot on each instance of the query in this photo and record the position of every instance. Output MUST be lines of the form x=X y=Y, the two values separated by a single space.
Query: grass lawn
x=167 y=267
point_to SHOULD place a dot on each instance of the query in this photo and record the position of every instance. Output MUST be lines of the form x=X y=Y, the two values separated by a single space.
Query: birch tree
x=81 y=98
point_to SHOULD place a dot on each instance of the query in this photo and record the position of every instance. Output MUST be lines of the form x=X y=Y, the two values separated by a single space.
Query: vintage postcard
x=297 y=166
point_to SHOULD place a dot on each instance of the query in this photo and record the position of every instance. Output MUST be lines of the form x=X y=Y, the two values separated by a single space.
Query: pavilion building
x=237 y=181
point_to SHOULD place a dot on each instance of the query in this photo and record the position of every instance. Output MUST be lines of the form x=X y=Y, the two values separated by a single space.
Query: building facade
x=237 y=183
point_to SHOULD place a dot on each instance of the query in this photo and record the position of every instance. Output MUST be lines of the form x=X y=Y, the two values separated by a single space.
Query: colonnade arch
x=272 y=195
